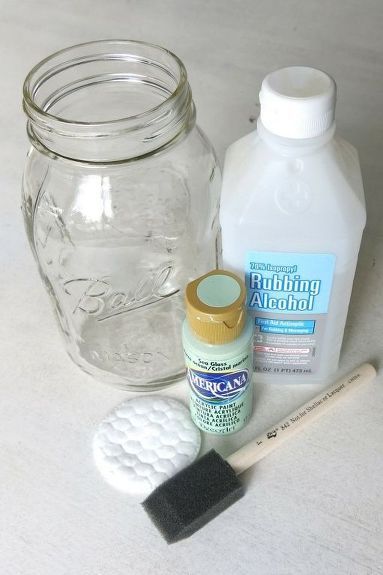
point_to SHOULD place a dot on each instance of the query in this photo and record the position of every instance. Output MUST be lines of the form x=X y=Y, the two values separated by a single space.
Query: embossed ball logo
x=213 y=387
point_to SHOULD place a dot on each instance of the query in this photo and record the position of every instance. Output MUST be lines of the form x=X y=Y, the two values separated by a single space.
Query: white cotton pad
x=143 y=442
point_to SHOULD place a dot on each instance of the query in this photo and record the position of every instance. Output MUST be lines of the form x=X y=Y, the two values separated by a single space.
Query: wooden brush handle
x=299 y=419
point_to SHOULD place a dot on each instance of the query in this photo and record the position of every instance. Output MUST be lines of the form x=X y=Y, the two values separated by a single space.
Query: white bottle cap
x=297 y=102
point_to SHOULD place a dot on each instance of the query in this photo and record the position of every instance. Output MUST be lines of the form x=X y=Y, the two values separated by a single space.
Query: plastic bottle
x=217 y=339
x=292 y=216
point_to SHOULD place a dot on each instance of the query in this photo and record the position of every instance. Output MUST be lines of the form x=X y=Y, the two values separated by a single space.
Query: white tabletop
x=312 y=507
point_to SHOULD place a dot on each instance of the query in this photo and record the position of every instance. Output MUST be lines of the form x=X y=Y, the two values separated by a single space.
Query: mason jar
x=120 y=200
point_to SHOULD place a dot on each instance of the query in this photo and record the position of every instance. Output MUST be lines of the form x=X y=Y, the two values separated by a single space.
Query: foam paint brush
x=198 y=493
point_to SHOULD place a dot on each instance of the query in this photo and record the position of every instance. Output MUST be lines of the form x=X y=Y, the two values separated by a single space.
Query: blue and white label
x=219 y=387
x=221 y=390
x=293 y=327
x=289 y=283
x=289 y=297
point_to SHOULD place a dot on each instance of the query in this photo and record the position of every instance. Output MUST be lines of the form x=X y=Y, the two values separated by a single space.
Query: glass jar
x=120 y=199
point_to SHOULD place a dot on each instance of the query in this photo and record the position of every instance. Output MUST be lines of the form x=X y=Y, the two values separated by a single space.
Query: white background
x=315 y=506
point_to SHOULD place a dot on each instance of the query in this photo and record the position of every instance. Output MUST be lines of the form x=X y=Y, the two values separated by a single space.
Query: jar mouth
x=68 y=57
x=106 y=89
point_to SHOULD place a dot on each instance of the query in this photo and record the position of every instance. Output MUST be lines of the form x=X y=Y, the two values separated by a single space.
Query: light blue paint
x=218 y=290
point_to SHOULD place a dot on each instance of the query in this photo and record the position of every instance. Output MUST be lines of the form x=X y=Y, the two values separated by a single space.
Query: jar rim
x=37 y=114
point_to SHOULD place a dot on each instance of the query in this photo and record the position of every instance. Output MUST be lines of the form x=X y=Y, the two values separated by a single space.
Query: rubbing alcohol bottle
x=292 y=217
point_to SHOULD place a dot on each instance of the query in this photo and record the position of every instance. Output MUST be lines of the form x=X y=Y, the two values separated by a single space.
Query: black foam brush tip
x=194 y=496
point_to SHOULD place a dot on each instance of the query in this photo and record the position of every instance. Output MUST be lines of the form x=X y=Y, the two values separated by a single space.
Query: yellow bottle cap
x=215 y=306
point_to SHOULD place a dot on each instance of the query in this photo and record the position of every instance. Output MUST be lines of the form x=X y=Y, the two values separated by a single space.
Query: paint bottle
x=292 y=217
x=217 y=340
